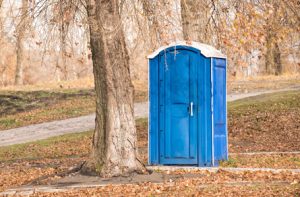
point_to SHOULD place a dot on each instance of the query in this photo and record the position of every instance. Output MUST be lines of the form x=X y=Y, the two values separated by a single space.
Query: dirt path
x=237 y=96
x=84 y=123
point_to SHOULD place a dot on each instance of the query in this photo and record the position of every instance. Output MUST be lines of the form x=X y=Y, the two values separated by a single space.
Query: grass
x=21 y=108
x=276 y=116
x=25 y=163
x=231 y=162
x=13 y=102
x=8 y=123
x=271 y=112
x=37 y=104
x=296 y=160
x=288 y=161
x=274 y=101
x=269 y=122
x=243 y=115
x=64 y=146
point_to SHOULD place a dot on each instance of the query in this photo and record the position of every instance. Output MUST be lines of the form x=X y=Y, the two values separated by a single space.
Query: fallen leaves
x=280 y=161
x=270 y=124
x=211 y=184
x=24 y=172
x=262 y=126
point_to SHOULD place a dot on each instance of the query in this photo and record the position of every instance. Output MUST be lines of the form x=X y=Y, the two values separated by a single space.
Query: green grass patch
x=45 y=107
x=269 y=122
x=9 y=122
x=245 y=116
x=231 y=162
x=20 y=101
x=289 y=161
x=295 y=160
x=69 y=145
x=21 y=108
x=64 y=146
x=273 y=101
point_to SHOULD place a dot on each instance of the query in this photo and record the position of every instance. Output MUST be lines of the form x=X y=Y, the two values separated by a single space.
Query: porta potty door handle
x=191 y=109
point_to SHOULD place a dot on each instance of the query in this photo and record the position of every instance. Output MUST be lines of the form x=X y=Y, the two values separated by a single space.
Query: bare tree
x=150 y=10
x=21 y=42
x=64 y=18
x=195 y=16
x=281 y=19
x=1 y=1
x=114 y=149
x=63 y=27
x=273 y=62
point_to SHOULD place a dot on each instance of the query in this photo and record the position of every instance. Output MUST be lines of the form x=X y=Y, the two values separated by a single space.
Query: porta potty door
x=178 y=107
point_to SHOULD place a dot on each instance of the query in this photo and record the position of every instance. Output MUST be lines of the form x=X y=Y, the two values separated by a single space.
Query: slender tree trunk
x=195 y=16
x=1 y=60
x=276 y=50
x=64 y=27
x=269 y=63
x=20 y=43
x=62 y=63
x=277 y=59
x=273 y=63
x=1 y=1
x=114 y=151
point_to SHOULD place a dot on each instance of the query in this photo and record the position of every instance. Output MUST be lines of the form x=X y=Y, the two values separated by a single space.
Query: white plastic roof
x=206 y=50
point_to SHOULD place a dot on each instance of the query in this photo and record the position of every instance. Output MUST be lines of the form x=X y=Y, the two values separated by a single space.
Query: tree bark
x=269 y=63
x=277 y=59
x=195 y=16
x=1 y=1
x=64 y=28
x=273 y=63
x=20 y=43
x=149 y=8
x=114 y=151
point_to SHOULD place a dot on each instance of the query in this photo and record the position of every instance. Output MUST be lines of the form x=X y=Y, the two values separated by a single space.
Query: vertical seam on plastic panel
x=226 y=127
x=212 y=113
x=149 y=111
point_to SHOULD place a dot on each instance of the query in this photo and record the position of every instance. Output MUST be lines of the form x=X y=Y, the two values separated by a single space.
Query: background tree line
x=48 y=40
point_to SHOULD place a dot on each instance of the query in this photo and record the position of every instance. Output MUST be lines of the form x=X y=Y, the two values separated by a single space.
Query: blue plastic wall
x=219 y=110
x=205 y=113
x=209 y=76
x=153 y=111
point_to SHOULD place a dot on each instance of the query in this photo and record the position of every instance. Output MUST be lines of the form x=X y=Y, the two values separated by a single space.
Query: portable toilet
x=187 y=105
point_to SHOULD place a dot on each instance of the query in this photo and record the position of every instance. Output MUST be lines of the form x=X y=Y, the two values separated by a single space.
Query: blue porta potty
x=187 y=105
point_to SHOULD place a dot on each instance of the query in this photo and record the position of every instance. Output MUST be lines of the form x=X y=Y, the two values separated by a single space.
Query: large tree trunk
x=20 y=43
x=114 y=151
x=195 y=16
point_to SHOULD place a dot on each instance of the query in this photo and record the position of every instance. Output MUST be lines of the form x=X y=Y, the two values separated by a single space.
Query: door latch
x=191 y=109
